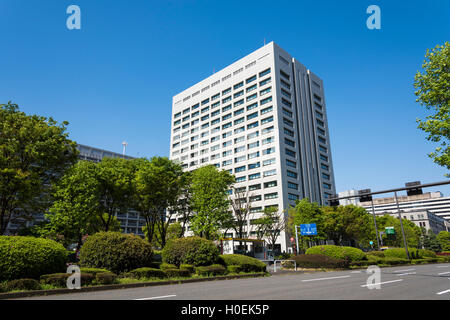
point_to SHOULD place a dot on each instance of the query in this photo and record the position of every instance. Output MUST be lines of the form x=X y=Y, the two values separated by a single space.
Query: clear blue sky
x=114 y=79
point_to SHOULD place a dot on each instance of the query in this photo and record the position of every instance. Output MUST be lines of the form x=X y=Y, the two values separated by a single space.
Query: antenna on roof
x=124 y=144
x=264 y=41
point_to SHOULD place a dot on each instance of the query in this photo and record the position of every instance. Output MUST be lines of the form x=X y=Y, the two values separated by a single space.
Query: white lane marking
x=404 y=270
x=374 y=284
x=356 y=272
x=404 y=274
x=443 y=266
x=160 y=297
x=442 y=292
x=444 y=273
x=318 y=279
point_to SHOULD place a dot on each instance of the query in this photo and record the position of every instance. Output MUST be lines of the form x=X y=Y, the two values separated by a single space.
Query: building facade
x=263 y=119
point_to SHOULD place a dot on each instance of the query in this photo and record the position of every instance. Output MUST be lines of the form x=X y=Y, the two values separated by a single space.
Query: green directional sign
x=390 y=230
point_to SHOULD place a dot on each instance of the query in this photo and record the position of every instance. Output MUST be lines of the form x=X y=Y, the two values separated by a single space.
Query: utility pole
x=401 y=224
x=124 y=144
x=375 y=222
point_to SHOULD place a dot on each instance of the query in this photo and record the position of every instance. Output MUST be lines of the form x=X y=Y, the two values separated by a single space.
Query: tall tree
x=444 y=240
x=34 y=153
x=210 y=201
x=433 y=91
x=158 y=185
x=241 y=205
x=271 y=224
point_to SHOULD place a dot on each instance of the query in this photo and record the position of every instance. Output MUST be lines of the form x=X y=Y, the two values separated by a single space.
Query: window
x=289 y=142
x=252 y=115
x=266 y=110
x=205 y=109
x=226 y=163
x=177 y=115
x=252 y=106
x=226 y=134
x=251 y=88
x=226 y=153
x=286 y=103
x=238 y=112
x=324 y=141
x=324 y=158
x=327 y=186
x=227 y=116
x=326 y=176
x=250 y=79
x=186 y=110
x=292 y=196
x=269 y=151
x=253 y=135
x=195 y=106
x=285 y=93
x=290 y=163
x=239 y=139
x=317 y=97
x=266 y=100
x=266 y=120
x=238 y=130
x=215 y=113
x=205 y=101
x=263 y=73
x=267 y=130
x=324 y=166
x=238 y=103
x=320 y=123
x=290 y=153
x=240 y=120
x=238 y=94
x=237 y=86
x=239 y=159
x=285 y=84
x=255 y=198
x=253 y=145
x=269 y=196
x=241 y=179
x=322 y=148
x=252 y=125
x=268 y=140
x=195 y=122
x=253 y=155
x=254 y=176
x=196 y=113
x=264 y=82
x=216 y=147
x=252 y=97
x=270 y=173
x=226 y=125
x=214 y=97
x=292 y=174
x=254 y=187
x=226 y=108
x=268 y=162
x=319 y=114
x=284 y=75
x=292 y=185
x=253 y=165
x=177 y=122
x=265 y=91
x=215 y=121
x=287 y=113
x=226 y=91
x=205 y=117
x=226 y=144
x=239 y=149
x=240 y=169
x=288 y=122
x=270 y=184
x=205 y=125
x=227 y=99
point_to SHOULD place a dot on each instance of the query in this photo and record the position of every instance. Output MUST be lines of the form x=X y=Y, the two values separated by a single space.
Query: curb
x=33 y=293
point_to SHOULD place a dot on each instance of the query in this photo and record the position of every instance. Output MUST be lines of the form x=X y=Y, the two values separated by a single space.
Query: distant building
x=130 y=222
x=345 y=202
x=424 y=219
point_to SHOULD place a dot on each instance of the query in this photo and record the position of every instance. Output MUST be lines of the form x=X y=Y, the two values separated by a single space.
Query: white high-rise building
x=262 y=118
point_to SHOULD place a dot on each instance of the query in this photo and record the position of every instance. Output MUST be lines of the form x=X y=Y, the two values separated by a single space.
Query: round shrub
x=337 y=252
x=29 y=257
x=115 y=251
x=105 y=278
x=428 y=253
x=177 y=273
x=164 y=266
x=147 y=273
x=93 y=271
x=190 y=250
x=22 y=284
x=247 y=264
x=375 y=253
x=316 y=261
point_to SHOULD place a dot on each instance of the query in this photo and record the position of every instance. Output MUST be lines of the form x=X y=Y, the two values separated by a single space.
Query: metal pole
x=375 y=222
x=401 y=224
x=296 y=237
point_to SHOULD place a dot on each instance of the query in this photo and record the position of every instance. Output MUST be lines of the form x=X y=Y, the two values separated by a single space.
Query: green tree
x=158 y=185
x=444 y=240
x=433 y=91
x=430 y=241
x=413 y=233
x=241 y=205
x=174 y=231
x=209 y=201
x=271 y=224
x=34 y=153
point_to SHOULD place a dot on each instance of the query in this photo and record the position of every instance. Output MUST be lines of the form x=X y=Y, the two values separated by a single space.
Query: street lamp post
x=401 y=224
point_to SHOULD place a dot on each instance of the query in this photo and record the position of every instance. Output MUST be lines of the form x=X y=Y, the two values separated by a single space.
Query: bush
x=401 y=253
x=164 y=266
x=177 y=273
x=362 y=263
x=247 y=264
x=28 y=257
x=337 y=252
x=188 y=267
x=22 y=284
x=115 y=251
x=374 y=259
x=394 y=261
x=428 y=253
x=233 y=268
x=147 y=273
x=191 y=250
x=60 y=279
x=105 y=278
x=213 y=270
x=93 y=271
x=375 y=253
x=319 y=261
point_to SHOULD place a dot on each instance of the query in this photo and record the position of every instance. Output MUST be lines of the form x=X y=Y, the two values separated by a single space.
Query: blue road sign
x=309 y=229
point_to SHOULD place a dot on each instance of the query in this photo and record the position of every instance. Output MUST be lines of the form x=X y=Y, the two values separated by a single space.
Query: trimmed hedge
x=190 y=250
x=29 y=257
x=233 y=268
x=319 y=261
x=213 y=270
x=105 y=278
x=394 y=261
x=177 y=273
x=401 y=253
x=115 y=251
x=60 y=279
x=337 y=252
x=375 y=253
x=428 y=253
x=247 y=264
x=21 y=284
x=93 y=271
x=164 y=266
x=188 y=267
x=146 y=272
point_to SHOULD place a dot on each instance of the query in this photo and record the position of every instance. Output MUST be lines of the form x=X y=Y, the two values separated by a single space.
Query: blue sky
x=114 y=79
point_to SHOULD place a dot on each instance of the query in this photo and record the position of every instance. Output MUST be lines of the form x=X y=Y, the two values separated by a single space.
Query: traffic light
x=363 y=197
x=414 y=191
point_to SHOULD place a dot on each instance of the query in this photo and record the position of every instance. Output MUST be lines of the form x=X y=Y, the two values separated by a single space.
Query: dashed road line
x=404 y=270
x=374 y=284
x=404 y=274
x=444 y=273
x=442 y=292
x=160 y=297
x=318 y=279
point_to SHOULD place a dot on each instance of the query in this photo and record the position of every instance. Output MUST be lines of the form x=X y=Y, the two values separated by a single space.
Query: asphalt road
x=422 y=282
